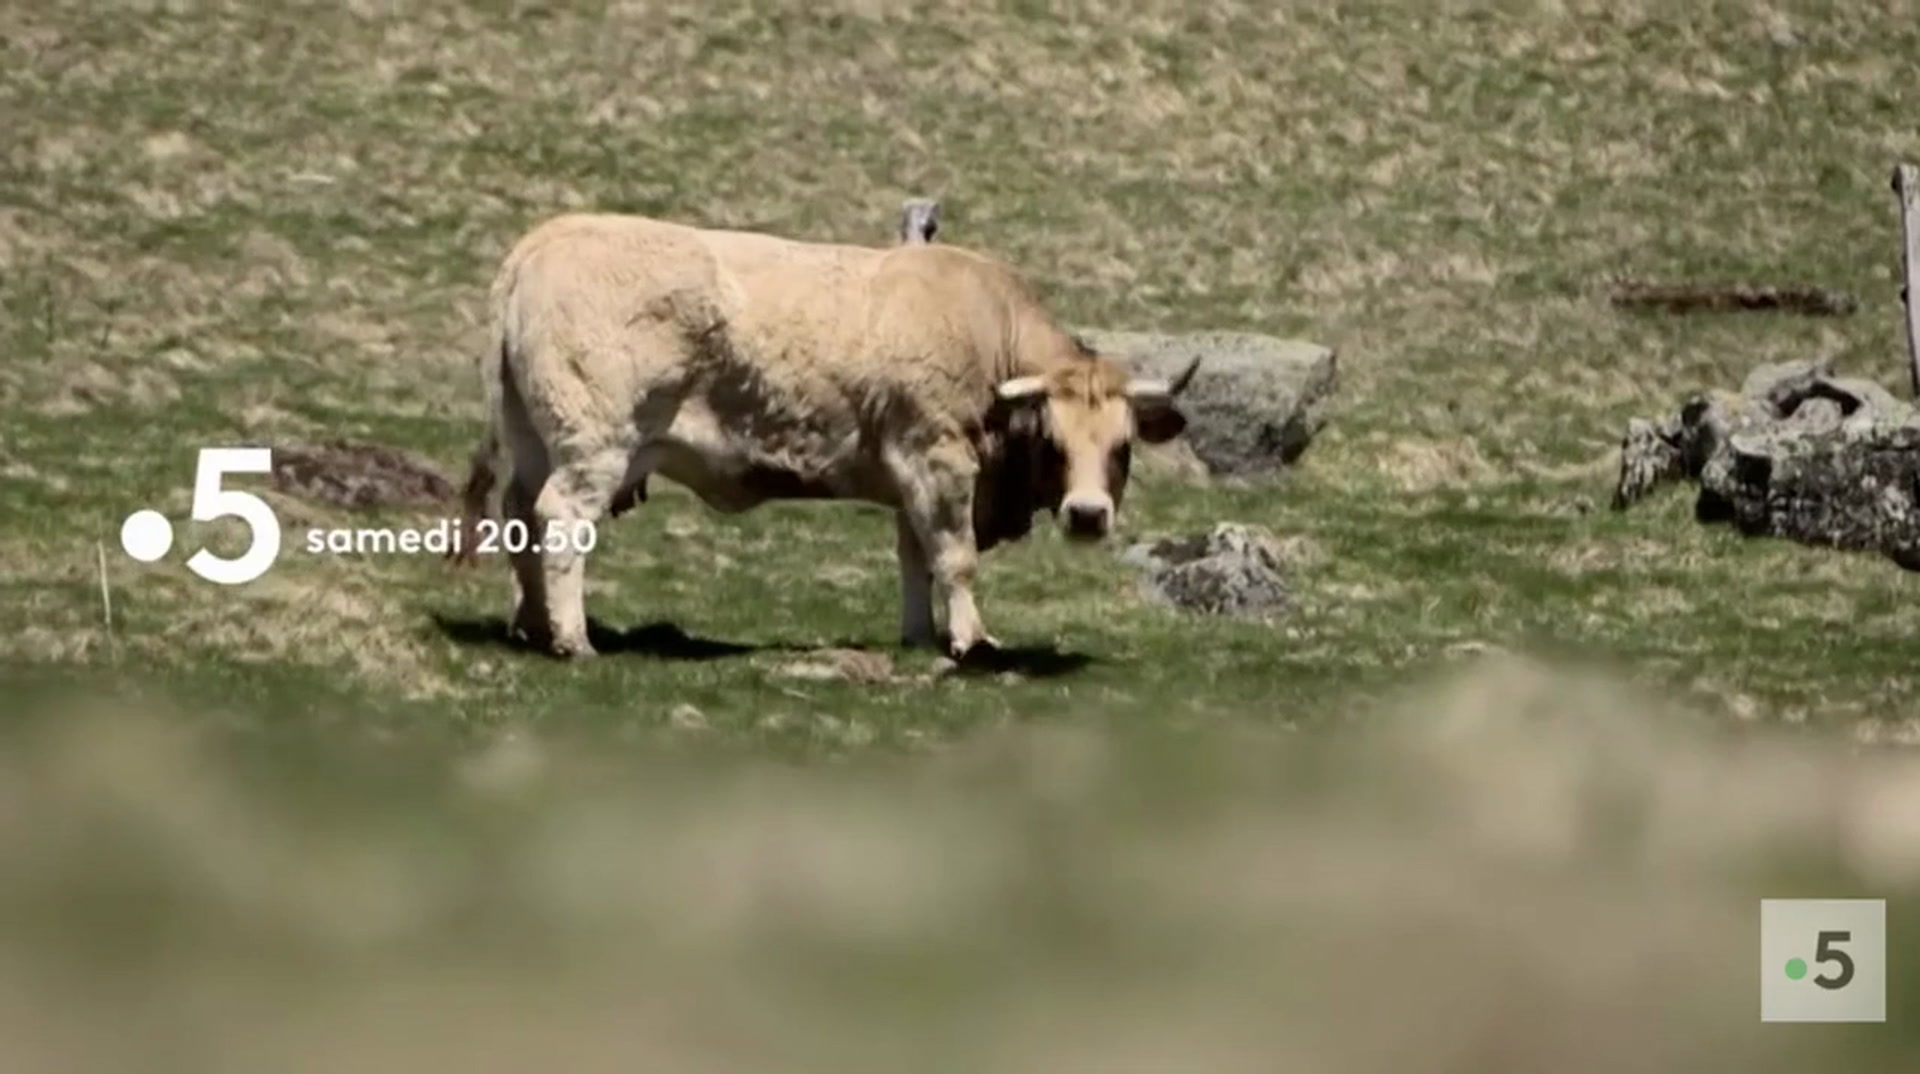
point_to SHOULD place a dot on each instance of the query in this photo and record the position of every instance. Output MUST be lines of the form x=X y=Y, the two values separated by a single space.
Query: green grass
x=229 y=223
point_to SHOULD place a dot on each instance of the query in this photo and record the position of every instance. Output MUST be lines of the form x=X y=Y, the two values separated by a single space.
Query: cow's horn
x=1186 y=377
x=1022 y=387
x=1148 y=388
x=1155 y=388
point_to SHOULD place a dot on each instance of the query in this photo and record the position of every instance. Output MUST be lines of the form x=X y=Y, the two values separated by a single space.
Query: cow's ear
x=1159 y=424
x=1016 y=403
x=1156 y=418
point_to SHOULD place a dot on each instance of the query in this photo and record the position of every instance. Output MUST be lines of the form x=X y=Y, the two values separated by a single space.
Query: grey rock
x=1799 y=453
x=1818 y=415
x=1256 y=402
x=1231 y=570
x=1782 y=377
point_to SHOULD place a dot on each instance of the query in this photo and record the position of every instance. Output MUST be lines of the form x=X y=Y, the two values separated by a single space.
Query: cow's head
x=1069 y=437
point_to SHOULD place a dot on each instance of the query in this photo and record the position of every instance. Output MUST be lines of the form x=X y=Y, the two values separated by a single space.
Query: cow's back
x=853 y=308
x=922 y=332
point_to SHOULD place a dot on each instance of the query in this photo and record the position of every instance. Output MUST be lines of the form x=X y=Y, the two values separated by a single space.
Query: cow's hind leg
x=574 y=498
x=916 y=584
x=527 y=474
x=530 y=623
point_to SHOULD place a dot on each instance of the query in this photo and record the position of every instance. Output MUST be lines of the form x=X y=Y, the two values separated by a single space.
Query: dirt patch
x=358 y=476
x=851 y=665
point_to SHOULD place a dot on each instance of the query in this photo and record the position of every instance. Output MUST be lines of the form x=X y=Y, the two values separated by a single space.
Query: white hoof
x=573 y=648
x=960 y=648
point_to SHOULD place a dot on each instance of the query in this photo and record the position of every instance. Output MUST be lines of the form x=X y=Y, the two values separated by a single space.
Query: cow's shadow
x=661 y=640
x=664 y=640
x=1027 y=661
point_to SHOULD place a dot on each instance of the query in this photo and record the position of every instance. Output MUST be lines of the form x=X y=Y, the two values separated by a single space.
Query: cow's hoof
x=529 y=636
x=984 y=645
x=572 y=649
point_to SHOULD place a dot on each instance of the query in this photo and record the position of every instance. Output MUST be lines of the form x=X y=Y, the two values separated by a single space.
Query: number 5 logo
x=1825 y=952
x=210 y=501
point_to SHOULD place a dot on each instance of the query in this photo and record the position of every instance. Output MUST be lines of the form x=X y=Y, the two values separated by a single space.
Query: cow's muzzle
x=1086 y=520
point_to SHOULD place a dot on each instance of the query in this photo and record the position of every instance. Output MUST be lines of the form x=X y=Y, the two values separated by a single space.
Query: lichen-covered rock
x=1798 y=453
x=1256 y=401
x=1855 y=487
x=1231 y=570
x=1682 y=447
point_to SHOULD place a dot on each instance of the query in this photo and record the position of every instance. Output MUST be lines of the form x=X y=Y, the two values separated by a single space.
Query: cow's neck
x=1039 y=347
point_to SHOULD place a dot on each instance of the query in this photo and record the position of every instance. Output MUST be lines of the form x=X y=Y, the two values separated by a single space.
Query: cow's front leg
x=936 y=488
x=916 y=584
x=946 y=535
x=954 y=562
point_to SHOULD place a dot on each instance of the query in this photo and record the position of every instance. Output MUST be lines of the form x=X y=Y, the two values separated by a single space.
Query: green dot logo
x=1796 y=968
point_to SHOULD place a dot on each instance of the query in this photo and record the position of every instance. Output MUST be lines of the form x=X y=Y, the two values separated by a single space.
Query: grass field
x=252 y=224
x=225 y=224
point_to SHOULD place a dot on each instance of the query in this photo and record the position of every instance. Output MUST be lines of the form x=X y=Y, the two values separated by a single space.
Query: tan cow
x=750 y=368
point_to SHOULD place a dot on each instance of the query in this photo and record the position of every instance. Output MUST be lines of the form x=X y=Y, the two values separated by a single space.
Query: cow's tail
x=484 y=467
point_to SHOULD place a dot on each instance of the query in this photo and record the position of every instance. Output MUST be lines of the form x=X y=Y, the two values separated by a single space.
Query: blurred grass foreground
x=1516 y=869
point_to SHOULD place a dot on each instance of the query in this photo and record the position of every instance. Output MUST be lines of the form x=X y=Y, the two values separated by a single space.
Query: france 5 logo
x=146 y=535
x=1823 y=960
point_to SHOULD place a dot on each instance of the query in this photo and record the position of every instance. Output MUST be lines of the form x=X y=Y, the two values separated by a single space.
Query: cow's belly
x=733 y=467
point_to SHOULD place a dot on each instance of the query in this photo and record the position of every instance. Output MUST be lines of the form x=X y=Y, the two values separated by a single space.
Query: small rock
x=1232 y=570
x=685 y=717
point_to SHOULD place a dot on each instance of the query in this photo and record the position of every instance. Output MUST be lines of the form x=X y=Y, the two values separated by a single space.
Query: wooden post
x=1906 y=183
x=919 y=219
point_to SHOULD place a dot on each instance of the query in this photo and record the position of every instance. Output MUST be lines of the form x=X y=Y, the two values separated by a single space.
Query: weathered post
x=1906 y=184
x=919 y=220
